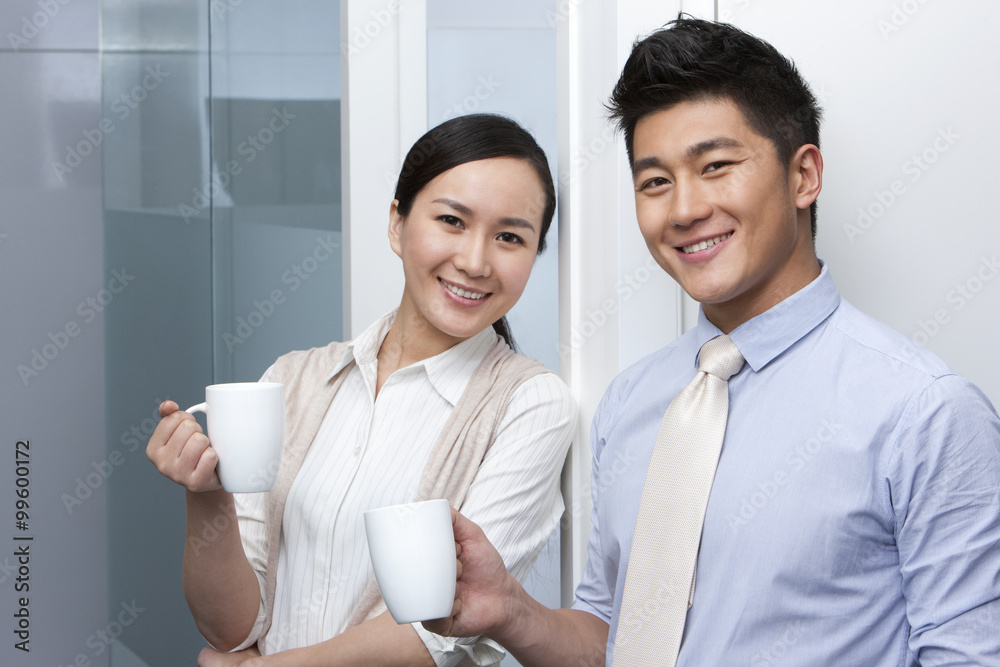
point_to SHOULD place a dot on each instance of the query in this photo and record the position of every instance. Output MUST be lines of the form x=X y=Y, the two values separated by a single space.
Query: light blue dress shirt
x=855 y=513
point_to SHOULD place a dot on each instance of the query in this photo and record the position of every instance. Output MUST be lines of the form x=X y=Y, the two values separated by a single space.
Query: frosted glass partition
x=276 y=216
x=158 y=336
x=221 y=145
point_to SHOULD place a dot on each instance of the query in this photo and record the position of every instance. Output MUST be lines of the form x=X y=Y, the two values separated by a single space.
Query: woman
x=428 y=402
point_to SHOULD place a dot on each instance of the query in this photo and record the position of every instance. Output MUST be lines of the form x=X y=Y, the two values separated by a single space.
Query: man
x=854 y=517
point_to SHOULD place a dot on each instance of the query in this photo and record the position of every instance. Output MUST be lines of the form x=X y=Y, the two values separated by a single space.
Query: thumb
x=167 y=408
x=465 y=530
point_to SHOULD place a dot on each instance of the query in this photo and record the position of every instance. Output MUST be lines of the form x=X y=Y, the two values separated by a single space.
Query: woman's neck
x=410 y=339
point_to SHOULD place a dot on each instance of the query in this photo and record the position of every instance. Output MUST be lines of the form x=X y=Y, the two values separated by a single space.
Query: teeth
x=688 y=249
x=464 y=293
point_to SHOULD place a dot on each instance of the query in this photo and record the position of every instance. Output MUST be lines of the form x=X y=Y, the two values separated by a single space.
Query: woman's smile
x=464 y=294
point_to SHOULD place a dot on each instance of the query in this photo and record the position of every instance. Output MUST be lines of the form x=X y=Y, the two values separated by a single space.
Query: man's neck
x=729 y=315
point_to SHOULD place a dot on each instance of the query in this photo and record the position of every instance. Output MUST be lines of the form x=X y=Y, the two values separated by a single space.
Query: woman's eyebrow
x=457 y=205
x=517 y=222
x=465 y=210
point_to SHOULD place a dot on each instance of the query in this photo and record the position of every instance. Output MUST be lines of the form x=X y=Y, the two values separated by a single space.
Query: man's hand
x=490 y=601
x=484 y=590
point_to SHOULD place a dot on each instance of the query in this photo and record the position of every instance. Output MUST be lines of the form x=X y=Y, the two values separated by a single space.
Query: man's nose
x=690 y=204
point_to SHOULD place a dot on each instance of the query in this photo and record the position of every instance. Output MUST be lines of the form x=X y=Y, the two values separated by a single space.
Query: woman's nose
x=472 y=256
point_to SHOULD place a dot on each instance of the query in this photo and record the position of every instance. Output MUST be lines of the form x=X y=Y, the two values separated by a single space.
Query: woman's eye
x=507 y=237
x=450 y=220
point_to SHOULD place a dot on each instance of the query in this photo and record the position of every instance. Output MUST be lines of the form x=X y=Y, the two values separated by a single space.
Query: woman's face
x=468 y=245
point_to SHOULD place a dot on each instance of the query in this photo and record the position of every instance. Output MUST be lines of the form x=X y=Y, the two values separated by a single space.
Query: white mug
x=412 y=548
x=246 y=426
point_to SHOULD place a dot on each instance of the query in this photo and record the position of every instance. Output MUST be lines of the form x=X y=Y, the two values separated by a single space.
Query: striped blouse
x=370 y=453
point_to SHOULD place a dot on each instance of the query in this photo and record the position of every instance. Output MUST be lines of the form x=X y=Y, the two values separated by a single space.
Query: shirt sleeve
x=515 y=497
x=944 y=478
x=250 y=512
x=250 y=508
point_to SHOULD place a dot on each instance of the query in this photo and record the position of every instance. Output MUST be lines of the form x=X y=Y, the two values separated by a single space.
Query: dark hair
x=468 y=139
x=693 y=59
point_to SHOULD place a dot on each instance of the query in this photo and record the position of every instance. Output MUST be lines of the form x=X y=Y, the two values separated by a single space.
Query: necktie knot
x=720 y=357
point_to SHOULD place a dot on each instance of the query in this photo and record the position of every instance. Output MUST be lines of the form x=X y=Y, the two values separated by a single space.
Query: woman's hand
x=180 y=450
x=209 y=657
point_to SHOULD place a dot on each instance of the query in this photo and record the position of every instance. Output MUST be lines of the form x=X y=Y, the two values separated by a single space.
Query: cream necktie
x=659 y=584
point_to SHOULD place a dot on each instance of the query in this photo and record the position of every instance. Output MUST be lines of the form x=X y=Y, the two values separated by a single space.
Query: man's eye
x=716 y=165
x=654 y=182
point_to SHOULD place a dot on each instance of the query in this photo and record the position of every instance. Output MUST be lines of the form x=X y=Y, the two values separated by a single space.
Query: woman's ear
x=807 y=175
x=395 y=228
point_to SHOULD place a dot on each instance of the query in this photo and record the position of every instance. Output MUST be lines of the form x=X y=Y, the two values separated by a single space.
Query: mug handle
x=201 y=407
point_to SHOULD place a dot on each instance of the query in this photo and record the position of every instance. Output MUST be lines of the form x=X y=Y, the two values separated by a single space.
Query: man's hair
x=692 y=59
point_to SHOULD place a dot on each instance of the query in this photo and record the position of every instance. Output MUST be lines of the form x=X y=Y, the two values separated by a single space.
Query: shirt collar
x=448 y=372
x=766 y=336
x=451 y=370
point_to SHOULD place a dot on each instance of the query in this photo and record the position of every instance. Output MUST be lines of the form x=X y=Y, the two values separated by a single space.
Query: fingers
x=181 y=451
x=442 y=626
x=187 y=446
x=169 y=422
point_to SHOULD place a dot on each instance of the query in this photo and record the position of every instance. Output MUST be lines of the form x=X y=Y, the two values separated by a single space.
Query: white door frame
x=383 y=46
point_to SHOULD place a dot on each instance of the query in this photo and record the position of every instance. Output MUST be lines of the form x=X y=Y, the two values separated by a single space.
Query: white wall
x=912 y=94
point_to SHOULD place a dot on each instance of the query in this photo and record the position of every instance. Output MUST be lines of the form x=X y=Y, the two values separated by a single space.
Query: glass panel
x=221 y=191
x=158 y=335
x=275 y=186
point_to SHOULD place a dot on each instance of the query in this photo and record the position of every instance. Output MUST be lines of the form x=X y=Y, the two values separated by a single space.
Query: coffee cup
x=412 y=548
x=246 y=426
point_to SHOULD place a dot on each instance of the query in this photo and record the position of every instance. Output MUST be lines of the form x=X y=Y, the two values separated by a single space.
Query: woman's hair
x=468 y=139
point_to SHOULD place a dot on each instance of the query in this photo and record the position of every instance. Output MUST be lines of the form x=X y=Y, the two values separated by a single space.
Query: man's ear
x=395 y=228
x=806 y=174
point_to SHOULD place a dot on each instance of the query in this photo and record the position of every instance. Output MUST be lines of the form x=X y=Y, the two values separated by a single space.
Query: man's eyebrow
x=646 y=163
x=693 y=151
x=465 y=210
x=702 y=147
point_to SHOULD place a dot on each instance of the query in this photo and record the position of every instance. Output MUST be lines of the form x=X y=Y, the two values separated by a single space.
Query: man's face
x=718 y=210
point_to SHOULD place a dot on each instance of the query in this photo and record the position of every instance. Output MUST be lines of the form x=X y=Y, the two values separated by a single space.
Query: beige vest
x=453 y=461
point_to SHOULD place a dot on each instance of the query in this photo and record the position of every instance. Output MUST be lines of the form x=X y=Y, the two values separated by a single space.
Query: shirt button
x=357 y=451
